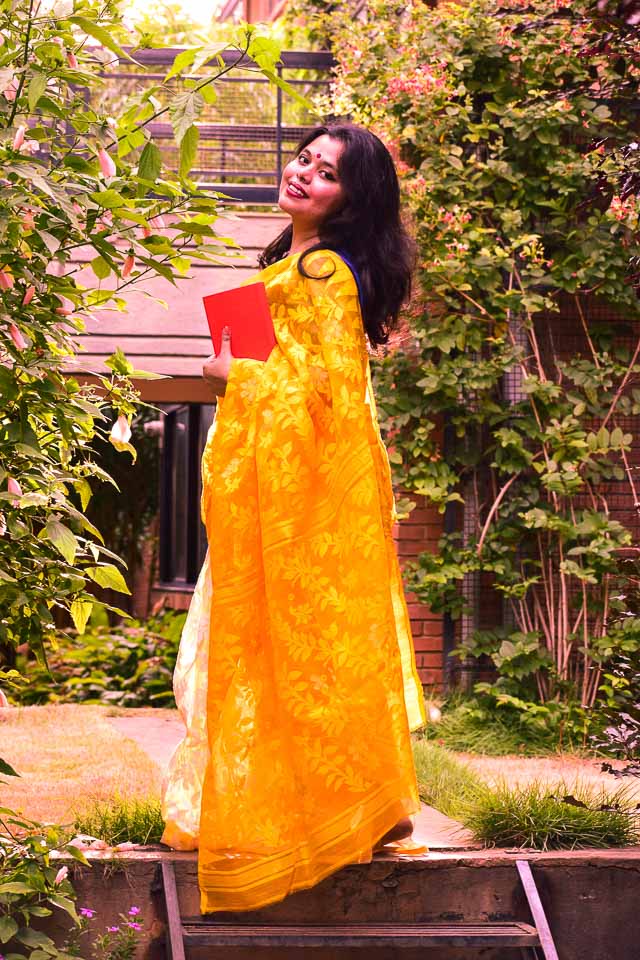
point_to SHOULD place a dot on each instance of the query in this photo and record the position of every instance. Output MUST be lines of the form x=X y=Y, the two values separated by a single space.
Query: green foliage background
x=513 y=128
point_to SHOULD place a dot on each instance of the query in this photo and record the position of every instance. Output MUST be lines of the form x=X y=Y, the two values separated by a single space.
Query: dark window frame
x=198 y=421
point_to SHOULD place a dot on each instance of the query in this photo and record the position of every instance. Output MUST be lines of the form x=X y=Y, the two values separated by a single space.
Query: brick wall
x=420 y=532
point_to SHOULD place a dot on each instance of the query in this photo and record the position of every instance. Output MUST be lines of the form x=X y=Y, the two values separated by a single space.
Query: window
x=183 y=540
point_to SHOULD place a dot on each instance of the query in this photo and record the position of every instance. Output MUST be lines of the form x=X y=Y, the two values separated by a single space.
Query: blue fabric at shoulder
x=356 y=277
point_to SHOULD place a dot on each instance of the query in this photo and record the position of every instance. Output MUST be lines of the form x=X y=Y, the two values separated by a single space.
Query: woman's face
x=310 y=190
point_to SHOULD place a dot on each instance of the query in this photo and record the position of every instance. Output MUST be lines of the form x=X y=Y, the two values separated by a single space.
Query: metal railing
x=247 y=134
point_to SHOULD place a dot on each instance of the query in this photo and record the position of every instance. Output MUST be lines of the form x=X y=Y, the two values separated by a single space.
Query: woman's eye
x=303 y=158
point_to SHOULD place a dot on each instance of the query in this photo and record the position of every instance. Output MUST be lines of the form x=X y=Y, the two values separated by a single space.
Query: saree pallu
x=297 y=757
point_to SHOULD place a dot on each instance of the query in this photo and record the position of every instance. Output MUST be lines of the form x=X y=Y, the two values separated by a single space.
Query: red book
x=245 y=310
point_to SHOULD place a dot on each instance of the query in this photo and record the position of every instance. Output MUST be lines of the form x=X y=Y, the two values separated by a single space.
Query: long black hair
x=367 y=228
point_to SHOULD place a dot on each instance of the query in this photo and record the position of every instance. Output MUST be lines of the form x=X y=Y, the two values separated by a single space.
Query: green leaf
x=147 y=375
x=15 y=887
x=62 y=538
x=291 y=91
x=103 y=36
x=34 y=938
x=109 y=199
x=188 y=150
x=108 y=576
x=182 y=62
x=7 y=770
x=73 y=851
x=85 y=491
x=209 y=93
x=37 y=86
x=183 y=112
x=65 y=904
x=80 y=613
x=101 y=268
x=119 y=363
x=265 y=51
x=8 y=928
x=150 y=163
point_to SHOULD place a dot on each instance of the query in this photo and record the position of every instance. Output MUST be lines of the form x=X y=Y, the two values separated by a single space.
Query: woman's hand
x=216 y=368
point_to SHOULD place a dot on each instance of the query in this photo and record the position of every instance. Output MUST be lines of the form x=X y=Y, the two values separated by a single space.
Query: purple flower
x=134 y=925
x=113 y=929
x=87 y=912
x=133 y=911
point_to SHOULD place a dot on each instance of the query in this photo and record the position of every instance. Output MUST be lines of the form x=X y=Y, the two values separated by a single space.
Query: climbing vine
x=510 y=403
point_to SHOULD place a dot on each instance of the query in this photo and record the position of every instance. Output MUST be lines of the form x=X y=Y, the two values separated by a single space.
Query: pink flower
x=121 y=431
x=28 y=221
x=19 y=341
x=66 y=306
x=134 y=911
x=128 y=266
x=146 y=232
x=158 y=221
x=18 y=139
x=107 y=163
x=6 y=280
x=30 y=147
x=72 y=60
x=61 y=875
x=87 y=912
x=11 y=90
x=14 y=487
x=28 y=297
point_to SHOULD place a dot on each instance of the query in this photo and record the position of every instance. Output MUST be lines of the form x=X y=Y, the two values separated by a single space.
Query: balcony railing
x=247 y=135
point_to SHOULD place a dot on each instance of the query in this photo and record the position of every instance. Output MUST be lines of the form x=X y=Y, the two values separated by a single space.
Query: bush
x=127 y=666
x=481 y=725
x=571 y=818
x=121 y=820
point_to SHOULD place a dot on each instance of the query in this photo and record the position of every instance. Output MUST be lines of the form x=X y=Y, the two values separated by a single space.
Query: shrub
x=571 y=818
x=484 y=725
x=126 y=666
x=32 y=885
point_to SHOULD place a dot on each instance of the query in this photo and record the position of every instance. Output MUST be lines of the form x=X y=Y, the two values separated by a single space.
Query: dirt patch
x=66 y=754
x=566 y=768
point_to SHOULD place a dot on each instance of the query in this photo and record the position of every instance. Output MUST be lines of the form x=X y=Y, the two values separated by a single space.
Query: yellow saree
x=297 y=757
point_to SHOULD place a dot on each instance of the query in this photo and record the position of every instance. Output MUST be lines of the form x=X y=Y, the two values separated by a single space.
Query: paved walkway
x=158 y=735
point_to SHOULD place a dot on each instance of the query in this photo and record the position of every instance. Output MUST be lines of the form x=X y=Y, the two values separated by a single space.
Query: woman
x=297 y=758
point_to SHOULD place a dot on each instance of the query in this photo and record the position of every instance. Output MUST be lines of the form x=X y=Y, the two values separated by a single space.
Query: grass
x=67 y=754
x=571 y=817
x=444 y=782
x=121 y=820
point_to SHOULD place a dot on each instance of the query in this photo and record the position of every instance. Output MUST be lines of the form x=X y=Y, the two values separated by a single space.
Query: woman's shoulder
x=325 y=261
x=317 y=267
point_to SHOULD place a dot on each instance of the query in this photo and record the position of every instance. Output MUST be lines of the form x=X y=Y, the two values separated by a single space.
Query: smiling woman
x=296 y=675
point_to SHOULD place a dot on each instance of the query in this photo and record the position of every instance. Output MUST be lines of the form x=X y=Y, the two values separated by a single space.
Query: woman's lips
x=293 y=190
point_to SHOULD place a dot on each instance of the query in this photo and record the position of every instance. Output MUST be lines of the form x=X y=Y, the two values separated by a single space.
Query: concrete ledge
x=592 y=899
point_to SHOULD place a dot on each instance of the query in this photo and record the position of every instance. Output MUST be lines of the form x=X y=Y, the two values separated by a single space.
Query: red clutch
x=245 y=310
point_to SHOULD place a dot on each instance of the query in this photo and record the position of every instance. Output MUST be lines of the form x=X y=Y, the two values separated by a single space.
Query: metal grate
x=248 y=133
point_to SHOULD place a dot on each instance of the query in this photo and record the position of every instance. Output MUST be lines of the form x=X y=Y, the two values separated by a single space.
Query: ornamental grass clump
x=561 y=817
x=121 y=820
x=444 y=782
